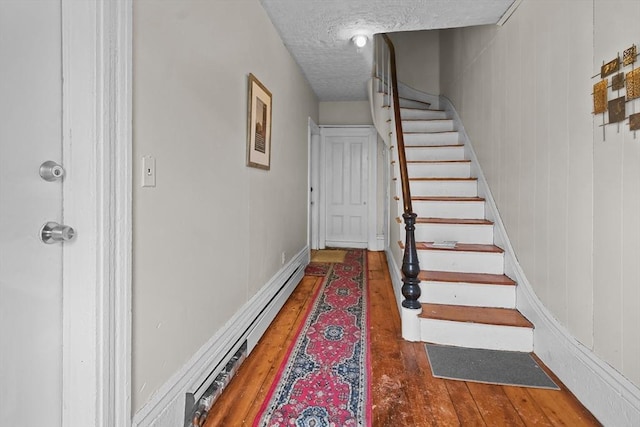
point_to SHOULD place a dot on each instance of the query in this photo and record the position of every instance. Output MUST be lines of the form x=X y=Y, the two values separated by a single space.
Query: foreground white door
x=346 y=190
x=30 y=271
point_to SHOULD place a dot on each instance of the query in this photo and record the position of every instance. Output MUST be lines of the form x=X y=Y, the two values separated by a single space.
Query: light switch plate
x=148 y=171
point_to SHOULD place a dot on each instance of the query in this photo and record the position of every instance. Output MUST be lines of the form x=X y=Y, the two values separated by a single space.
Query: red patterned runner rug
x=324 y=379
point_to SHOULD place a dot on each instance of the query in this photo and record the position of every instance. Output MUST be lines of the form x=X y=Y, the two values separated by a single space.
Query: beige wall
x=569 y=201
x=417 y=59
x=210 y=234
x=345 y=113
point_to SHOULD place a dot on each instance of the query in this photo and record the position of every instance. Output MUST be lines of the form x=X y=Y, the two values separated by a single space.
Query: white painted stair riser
x=457 y=188
x=462 y=233
x=430 y=139
x=440 y=170
x=475 y=335
x=455 y=152
x=420 y=114
x=427 y=125
x=468 y=294
x=462 y=261
x=449 y=209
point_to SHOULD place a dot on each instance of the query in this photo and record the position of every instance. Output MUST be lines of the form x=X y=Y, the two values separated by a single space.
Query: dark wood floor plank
x=439 y=406
x=561 y=407
x=495 y=407
x=465 y=406
x=528 y=409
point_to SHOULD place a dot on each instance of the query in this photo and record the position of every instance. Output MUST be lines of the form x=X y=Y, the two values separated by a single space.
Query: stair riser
x=409 y=103
x=468 y=294
x=439 y=170
x=463 y=233
x=444 y=138
x=461 y=262
x=418 y=114
x=435 y=153
x=427 y=125
x=464 y=334
x=444 y=188
x=472 y=210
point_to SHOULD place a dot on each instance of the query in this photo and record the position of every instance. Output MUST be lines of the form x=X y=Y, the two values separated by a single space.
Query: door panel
x=30 y=271
x=346 y=173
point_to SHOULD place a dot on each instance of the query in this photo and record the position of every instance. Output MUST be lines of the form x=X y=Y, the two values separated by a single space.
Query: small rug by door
x=324 y=378
x=487 y=366
x=317 y=269
x=328 y=255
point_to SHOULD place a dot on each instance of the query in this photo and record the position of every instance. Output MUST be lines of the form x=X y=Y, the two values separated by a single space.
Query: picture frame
x=258 y=125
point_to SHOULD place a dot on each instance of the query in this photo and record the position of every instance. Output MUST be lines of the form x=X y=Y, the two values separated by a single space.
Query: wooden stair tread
x=421 y=109
x=461 y=247
x=467 y=221
x=427 y=120
x=437 y=161
x=455 y=277
x=434 y=146
x=483 y=315
x=447 y=199
x=430 y=133
x=443 y=179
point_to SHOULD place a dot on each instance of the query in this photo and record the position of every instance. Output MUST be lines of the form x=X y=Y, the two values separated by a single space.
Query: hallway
x=403 y=391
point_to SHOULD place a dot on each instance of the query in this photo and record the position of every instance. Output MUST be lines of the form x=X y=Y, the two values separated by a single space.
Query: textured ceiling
x=318 y=33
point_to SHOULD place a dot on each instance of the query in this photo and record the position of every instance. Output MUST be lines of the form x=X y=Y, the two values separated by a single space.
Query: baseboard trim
x=610 y=397
x=396 y=277
x=166 y=406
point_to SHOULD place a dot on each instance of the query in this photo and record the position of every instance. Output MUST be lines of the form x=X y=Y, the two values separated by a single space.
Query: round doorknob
x=53 y=232
x=51 y=171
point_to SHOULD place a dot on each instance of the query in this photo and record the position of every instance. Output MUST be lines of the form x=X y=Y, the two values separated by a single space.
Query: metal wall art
x=629 y=56
x=634 y=121
x=633 y=84
x=620 y=80
x=616 y=110
x=600 y=96
x=617 y=81
x=610 y=67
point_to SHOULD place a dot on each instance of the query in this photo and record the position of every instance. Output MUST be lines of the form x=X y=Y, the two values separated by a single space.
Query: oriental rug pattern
x=324 y=379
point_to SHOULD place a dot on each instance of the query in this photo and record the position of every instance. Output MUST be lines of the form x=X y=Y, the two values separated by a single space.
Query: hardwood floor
x=404 y=393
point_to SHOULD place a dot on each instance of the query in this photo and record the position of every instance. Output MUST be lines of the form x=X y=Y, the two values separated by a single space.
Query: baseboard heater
x=196 y=412
x=199 y=402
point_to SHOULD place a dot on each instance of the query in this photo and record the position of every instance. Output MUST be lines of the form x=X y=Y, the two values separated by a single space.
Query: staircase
x=466 y=298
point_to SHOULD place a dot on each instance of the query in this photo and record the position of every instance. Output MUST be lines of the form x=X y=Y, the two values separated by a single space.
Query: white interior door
x=30 y=271
x=346 y=189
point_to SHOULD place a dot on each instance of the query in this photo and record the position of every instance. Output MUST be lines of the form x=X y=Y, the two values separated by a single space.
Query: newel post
x=410 y=264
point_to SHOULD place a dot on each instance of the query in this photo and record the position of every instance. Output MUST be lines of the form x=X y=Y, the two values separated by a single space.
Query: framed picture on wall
x=258 y=125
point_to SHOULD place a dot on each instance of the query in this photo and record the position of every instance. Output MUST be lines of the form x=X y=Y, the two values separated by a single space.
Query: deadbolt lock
x=52 y=232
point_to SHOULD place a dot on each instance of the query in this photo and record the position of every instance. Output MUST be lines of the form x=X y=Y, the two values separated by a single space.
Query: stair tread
x=422 y=109
x=431 y=133
x=437 y=161
x=434 y=146
x=469 y=314
x=427 y=120
x=447 y=199
x=442 y=179
x=470 y=221
x=461 y=247
x=455 y=277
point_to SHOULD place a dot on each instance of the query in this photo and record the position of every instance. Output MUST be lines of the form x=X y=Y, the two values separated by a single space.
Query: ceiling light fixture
x=359 y=40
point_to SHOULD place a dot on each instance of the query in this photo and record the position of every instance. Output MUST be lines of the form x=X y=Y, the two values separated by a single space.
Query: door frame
x=372 y=193
x=314 y=183
x=97 y=145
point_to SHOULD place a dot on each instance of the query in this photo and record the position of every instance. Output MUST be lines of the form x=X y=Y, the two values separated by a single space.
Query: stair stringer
x=611 y=397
